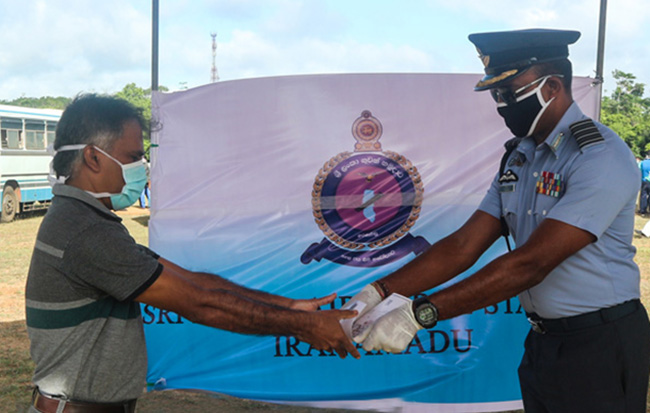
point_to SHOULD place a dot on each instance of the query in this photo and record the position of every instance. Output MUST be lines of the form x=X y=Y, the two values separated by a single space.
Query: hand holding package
x=390 y=326
x=363 y=301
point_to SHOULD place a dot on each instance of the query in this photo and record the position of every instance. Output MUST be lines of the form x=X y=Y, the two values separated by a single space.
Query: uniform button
x=535 y=174
x=544 y=212
x=530 y=212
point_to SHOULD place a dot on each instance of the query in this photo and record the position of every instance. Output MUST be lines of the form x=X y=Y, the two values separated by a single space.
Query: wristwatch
x=425 y=312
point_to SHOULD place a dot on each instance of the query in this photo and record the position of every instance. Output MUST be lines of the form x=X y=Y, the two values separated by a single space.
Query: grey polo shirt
x=86 y=332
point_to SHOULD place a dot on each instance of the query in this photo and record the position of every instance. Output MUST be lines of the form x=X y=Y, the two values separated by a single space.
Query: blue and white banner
x=306 y=185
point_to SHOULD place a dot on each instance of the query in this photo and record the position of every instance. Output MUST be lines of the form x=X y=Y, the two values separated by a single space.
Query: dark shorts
x=603 y=368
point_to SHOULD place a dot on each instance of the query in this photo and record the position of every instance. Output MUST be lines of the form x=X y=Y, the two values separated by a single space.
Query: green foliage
x=627 y=112
x=137 y=96
x=47 y=102
x=141 y=99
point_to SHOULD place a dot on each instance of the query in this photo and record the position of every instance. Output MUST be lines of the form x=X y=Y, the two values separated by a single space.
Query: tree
x=627 y=112
x=47 y=102
x=141 y=99
x=137 y=96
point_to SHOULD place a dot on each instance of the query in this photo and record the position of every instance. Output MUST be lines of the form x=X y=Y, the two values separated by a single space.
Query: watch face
x=367 y=200
x=426 y=315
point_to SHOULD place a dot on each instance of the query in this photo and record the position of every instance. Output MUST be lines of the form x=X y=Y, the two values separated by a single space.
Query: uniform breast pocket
x=543 y=205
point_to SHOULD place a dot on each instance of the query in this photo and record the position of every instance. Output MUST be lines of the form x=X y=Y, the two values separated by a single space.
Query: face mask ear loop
x=51 y=177
x=107 y=194
x=540 y=98
x=109 y=156
x=64 y=148
x=528 y=94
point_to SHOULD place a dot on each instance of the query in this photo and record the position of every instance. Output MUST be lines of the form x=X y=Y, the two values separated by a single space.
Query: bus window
x=35 y=135
x=31 y=129
x=51 y=129
x=12 y=133
x=11 y=139
x=34 y=140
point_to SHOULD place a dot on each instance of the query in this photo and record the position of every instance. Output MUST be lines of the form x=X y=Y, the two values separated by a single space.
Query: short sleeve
x=491 y=203
x=105 y=257
x=148 y=251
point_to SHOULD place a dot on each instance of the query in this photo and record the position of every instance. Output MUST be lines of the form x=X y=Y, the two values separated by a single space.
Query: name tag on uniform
x=550 y=183
x=507 y=188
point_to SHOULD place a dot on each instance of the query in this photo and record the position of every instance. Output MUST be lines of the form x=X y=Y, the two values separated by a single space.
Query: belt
x=592 y=319
x=47 y=404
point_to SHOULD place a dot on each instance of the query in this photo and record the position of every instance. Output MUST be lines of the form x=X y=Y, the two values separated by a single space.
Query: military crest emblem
x=366 y=202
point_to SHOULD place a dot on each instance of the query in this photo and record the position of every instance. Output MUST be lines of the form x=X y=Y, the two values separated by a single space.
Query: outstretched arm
x=550 y=244
x=216 y=282
x=221 y=304
x=446 y=258
x=441 y=262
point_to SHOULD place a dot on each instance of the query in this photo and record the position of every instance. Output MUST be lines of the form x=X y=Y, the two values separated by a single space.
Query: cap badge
x=484 y=58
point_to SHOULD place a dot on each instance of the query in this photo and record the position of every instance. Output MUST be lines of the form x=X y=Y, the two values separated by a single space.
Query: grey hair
x=91 y=119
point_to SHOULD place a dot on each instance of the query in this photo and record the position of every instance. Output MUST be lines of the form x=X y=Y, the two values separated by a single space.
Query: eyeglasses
x=509 y=97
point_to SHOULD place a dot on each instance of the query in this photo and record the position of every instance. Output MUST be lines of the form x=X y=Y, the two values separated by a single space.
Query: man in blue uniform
x=566 y=191
x=644 y=195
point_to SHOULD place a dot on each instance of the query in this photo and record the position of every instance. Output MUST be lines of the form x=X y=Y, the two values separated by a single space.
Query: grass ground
x=16 y=243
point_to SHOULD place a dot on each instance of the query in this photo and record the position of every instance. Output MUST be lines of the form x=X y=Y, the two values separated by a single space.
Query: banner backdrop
x=307 y=185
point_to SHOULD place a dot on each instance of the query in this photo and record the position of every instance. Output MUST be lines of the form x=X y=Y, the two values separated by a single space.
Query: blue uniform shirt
x=593 y=188
x=644 y=166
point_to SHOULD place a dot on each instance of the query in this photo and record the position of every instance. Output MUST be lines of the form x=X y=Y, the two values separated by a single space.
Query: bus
x=24 y=160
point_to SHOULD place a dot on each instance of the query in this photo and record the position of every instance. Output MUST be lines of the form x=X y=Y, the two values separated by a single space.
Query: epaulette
x=586 y=133
x=511 y=144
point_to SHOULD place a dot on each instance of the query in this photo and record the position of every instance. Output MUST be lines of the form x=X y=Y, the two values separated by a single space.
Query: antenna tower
x=215 y=74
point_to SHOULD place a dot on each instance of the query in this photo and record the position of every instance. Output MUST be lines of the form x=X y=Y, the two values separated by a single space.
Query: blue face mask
x=135 y=178
x=135 y=175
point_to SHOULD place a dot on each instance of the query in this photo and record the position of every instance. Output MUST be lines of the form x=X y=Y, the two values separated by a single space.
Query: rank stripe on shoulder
x=586 y=133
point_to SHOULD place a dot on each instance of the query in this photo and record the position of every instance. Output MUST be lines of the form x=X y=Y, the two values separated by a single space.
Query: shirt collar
x=561 y=131
x=81 y=195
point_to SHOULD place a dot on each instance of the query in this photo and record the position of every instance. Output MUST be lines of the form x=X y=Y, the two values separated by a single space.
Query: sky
x=65 y=47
